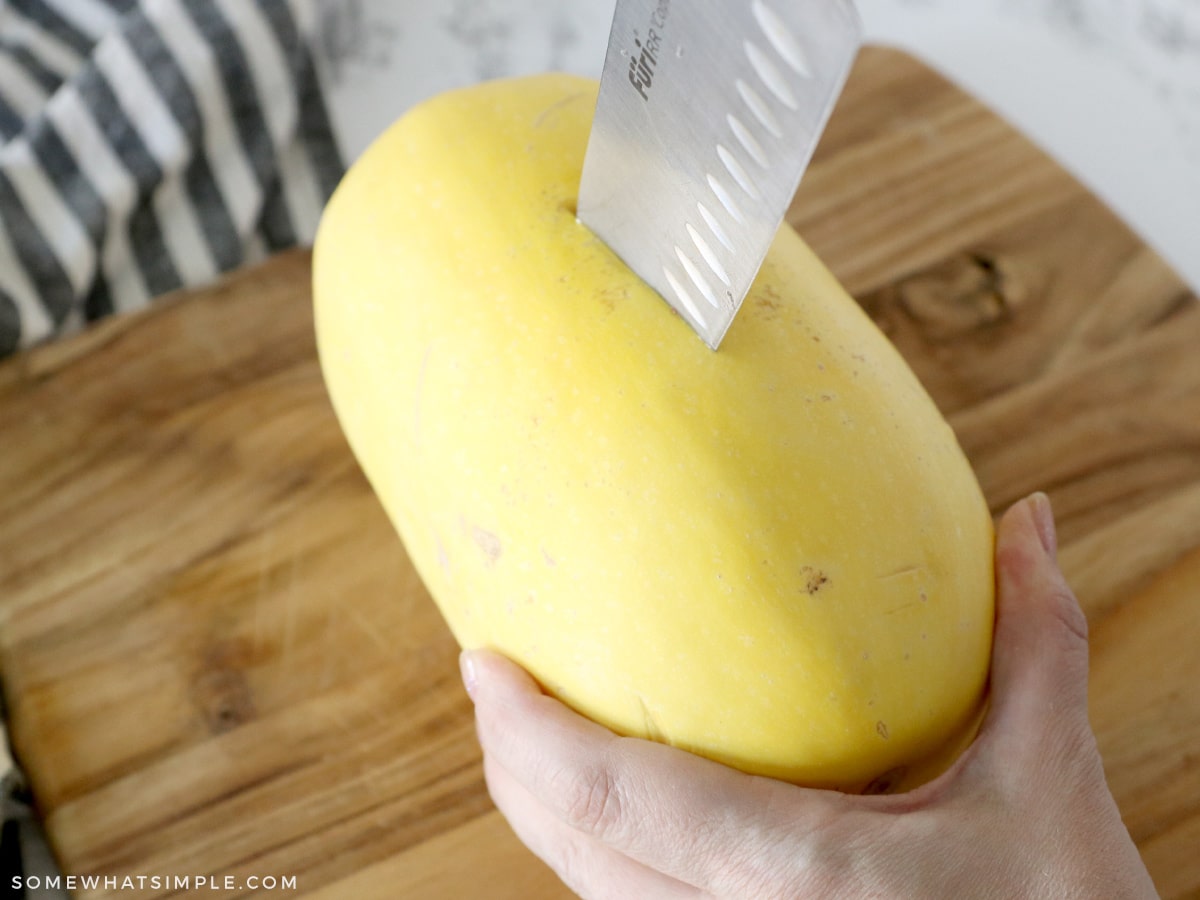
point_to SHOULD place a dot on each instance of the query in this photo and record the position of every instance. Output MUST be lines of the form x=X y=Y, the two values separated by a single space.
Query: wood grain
x=217 y=659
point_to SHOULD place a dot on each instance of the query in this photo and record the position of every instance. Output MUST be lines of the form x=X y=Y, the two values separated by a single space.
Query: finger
x=690 y=818
x=1040 y=660
x=589 y=868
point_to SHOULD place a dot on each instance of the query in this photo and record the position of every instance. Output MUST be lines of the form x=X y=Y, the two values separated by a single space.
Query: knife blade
x=708 y=114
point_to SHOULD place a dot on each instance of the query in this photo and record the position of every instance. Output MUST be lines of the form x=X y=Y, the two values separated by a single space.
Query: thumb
x=1040 y=658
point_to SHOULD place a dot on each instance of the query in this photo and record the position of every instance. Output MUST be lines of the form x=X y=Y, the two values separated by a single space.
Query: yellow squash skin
x=774 y=555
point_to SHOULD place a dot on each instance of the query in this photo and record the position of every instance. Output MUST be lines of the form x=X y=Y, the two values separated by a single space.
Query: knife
x=707 y=116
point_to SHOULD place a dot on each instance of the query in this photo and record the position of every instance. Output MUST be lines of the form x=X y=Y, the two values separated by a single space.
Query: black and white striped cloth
x=147 y=145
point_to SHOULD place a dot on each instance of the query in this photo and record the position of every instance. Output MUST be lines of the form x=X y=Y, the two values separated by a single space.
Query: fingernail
x=1043 y=518
x=470 y=674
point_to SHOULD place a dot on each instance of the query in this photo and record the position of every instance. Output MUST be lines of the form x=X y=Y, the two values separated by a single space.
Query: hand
x=1024 y=813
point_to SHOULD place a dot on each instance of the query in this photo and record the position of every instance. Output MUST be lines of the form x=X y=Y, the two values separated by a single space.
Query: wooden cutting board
x=217 y=659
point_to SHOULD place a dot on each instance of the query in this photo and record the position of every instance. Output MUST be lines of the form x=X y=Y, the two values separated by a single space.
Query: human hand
x=1024 y=813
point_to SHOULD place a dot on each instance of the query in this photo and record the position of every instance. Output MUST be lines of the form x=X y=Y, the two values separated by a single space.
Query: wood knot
x=224 y=700
x=970 y=293
x=221 y=691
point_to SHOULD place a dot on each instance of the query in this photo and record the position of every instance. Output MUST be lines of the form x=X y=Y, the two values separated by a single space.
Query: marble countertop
x=1111 y=88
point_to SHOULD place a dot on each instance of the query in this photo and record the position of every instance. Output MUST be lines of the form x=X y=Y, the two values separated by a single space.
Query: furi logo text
x=644 y=59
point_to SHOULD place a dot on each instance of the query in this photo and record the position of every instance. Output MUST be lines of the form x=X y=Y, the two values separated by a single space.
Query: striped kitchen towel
x=147 y=145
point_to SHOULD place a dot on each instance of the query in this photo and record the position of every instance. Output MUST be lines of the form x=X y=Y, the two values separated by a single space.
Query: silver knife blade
x=708 y=114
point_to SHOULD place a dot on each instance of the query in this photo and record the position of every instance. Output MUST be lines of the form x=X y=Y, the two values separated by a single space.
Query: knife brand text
x=644 y=59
